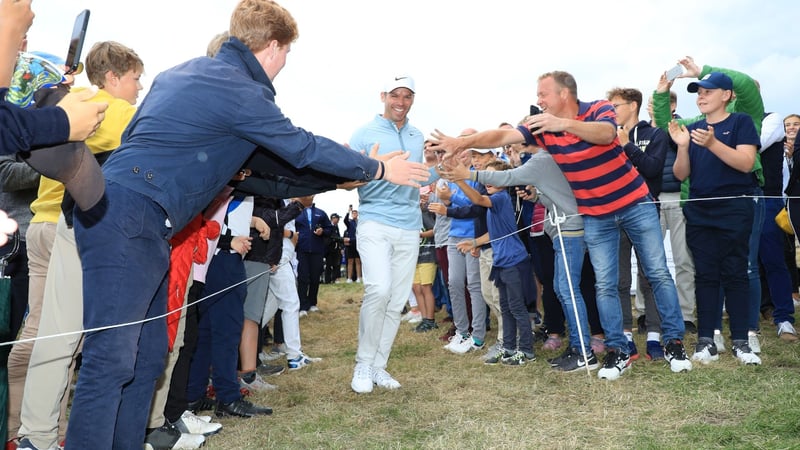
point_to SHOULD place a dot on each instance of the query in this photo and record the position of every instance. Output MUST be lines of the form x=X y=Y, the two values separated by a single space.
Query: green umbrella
x=5 y=330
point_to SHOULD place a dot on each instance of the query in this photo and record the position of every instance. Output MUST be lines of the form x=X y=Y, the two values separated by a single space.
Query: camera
x=534 y=111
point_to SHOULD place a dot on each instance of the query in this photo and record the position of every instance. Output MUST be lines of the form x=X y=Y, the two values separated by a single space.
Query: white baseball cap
x=399 y=82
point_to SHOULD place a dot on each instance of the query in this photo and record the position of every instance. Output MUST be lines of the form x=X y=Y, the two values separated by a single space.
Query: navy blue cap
x=714 y=80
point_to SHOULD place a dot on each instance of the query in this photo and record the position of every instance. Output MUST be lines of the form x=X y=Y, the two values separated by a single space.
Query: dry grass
x=449 y=401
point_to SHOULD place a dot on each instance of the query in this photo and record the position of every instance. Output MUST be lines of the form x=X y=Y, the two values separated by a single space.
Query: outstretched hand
x=398 y=170
x=453 y=172
x=679 y=133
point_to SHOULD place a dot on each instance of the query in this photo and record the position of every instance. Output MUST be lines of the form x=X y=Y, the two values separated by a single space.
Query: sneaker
x=754 y=342
x=705 y=353
x=302 y=314
x=241 y=408
x=719 y=341
x=614 y=365
x=654 y=351
x=349 y=280
x=675 y=353
x=633 y=351
x=301 y=361
x=745 y=355
x=382 y=378
x=552 y=343
x=270 y=370
x=495 y=356
x=517 y=358
x=276 y=352
x=457 y=340
x=464 y=345
x=258 y=384
x=786 y=332
x=598 y=345
x=425 y=326
x=168 y=437
x=573 y=360
x=204 y=403
x=313 y=309
x=413 y=314
x=557 y=360
x=191 y=424
x=362 y=379
x=358 y=280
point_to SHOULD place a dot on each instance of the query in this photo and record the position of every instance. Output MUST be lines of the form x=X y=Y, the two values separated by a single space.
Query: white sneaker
x=358 y=280
x=705 y=353
x=407 y=317
x=462 y=346
x=313 y=309
x=719 y=341
x=362 y=379
x=786 y=332
x=258 y=384
x=168 y=433
x=753 y=342
x=349 y=280
x=382 y=378
x=301 y=361
x=746 y=356
x=302 y=314
x=455 y=340
x=189 y=423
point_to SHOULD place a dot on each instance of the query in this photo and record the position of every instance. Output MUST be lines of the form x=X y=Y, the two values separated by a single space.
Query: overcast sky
x=475 y=63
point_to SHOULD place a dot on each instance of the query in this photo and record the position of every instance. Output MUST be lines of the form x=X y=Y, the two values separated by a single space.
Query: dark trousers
x=309 y=270
x=176 y=398
x=219 y=330
x=17 y=269
x=718 y=232
x=544 y=268
x=333 y=266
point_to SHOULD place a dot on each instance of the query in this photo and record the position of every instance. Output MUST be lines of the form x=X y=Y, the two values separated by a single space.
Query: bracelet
x=383 y=171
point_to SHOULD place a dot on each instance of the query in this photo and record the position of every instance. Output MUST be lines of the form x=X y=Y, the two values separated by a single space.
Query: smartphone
x=674 y=72
x=73 y=61
x=534 y=110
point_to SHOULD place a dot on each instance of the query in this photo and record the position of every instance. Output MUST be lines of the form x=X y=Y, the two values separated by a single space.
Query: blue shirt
x=711 y=177
x=381 y=201
x=198 y=124
x=508 y=251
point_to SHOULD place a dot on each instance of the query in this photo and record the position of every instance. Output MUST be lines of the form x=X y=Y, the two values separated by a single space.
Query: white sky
x=475 y=63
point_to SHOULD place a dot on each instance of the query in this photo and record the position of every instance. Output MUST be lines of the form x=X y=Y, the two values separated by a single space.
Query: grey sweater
x=19 y=185
x=544 y=174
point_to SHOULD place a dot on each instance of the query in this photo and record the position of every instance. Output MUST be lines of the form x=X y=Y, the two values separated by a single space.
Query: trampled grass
x=456 y=402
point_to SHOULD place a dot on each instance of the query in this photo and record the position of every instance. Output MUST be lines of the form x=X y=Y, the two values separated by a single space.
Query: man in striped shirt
x=611 y=195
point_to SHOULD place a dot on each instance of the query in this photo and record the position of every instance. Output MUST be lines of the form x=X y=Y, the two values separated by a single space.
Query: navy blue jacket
x=201 y=121
x=24 y=129
x=307 y=241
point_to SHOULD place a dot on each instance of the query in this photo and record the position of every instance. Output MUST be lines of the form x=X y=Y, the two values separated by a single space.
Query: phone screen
x=76 y=41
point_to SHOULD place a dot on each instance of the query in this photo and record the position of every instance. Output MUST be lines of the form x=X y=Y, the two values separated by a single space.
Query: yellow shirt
x=47 y=206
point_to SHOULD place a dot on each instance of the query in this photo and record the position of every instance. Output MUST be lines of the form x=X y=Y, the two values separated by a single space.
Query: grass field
x=456 y=402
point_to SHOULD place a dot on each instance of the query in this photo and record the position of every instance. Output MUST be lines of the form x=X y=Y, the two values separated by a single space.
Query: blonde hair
x=258 y=22
x=216 y=43
x=113 y=56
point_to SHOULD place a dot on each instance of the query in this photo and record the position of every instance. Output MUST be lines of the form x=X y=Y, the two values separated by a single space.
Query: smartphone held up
x=534 y=110
x=73 y=62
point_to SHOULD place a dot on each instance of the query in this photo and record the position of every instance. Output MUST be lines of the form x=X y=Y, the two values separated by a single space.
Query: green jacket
x=747 y=100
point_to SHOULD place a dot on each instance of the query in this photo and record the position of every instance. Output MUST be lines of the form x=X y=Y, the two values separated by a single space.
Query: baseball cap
x=401 y=81
x=714 y=80
x=483 y=151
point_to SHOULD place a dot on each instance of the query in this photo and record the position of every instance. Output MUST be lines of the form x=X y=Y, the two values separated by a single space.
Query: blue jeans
x=641 y=224
x=567 y=282
x=124 y=251
x=770 y=253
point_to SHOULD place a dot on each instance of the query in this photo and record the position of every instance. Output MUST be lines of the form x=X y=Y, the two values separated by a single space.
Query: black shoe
x=689 y=326
x=241 y=408
x=168 y=437
x=202 y=404
x=270 y=370
x=425 y=326
x=557 y=360
x=575 y=361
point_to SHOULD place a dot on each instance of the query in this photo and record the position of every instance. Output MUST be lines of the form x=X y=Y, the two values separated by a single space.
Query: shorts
x=425 y=273
x=256 y=290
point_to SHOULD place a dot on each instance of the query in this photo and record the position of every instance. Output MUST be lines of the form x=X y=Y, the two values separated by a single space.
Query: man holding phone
x=582 y=137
